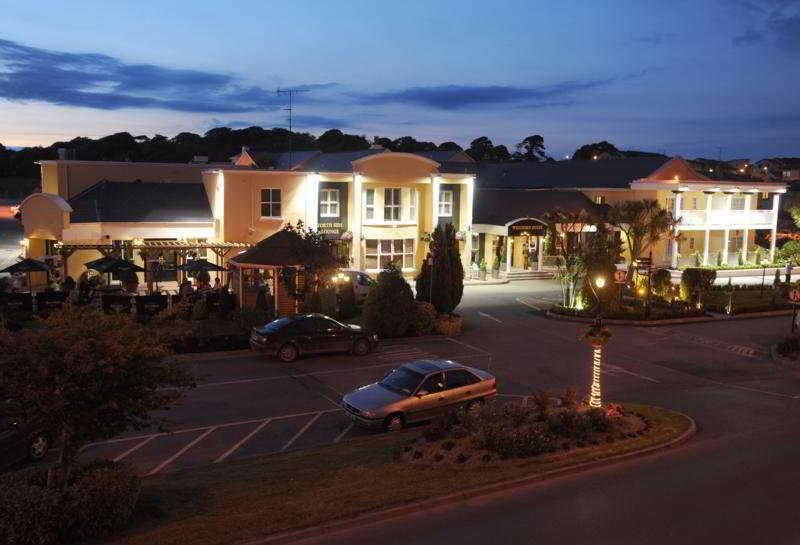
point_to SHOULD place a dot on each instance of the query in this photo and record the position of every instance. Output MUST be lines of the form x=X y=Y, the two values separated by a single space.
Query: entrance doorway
x=526 y=238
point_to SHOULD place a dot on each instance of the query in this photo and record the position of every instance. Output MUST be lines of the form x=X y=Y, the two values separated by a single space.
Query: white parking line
x=284 y=377
x=480 y=351
x=169 y=460
x=242 y=441
x=301 y=432
x=490 y=317
x=527 y=304
x=347 y=429
x=616 y=369
x=134 y=448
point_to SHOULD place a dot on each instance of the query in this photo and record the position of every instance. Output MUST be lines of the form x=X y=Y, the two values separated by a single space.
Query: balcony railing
x=726 y=217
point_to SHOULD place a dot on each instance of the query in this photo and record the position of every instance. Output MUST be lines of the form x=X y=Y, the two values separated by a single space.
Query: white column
x=676 y=214
x=540 y=247
x=312 y=200
x=709 y=198
x=508 y=254
x=775 y=202
x=434 y=202
x=356 y=221
x=725 y=247
x=706 y=244
x=466 y=225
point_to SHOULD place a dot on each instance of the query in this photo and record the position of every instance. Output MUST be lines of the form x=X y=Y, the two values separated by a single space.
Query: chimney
x=62 y=154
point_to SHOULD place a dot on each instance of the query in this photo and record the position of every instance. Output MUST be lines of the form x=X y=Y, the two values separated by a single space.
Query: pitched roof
x=613 y=173
x=339 y=161
x=108 y=201
x=500 y=206
x=677 y=166
x=444 y=156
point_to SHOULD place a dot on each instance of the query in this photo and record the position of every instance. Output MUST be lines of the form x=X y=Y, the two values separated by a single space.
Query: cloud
x=458 y=97
x=787 y=30
x=751 y=36
x=298 y=121
x=102 y=82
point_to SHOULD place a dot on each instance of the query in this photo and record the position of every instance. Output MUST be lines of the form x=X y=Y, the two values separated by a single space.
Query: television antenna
x=290 y=93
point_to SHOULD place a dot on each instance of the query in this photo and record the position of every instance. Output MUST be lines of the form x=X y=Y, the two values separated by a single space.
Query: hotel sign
x=331 y=228
x=527 y=226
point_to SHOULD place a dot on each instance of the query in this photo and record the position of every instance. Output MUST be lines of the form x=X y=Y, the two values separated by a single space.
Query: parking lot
x=248 y=404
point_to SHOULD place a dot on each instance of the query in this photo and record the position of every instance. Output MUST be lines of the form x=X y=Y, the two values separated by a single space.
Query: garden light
x=641 y=291
x=599 y=281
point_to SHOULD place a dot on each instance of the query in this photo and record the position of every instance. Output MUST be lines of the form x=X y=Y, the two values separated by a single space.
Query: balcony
x=727 y=218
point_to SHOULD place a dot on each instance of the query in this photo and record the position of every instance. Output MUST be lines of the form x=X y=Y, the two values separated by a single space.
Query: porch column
x=466 y=221
x=706 y=244
x=676 y=214
x=746 y=231
x=356 y=215
x=725 y=247
x=434 y=202
x=774 y=231
x=709 y=197
x=508 y=254
x=540 y=246
x=312 y=200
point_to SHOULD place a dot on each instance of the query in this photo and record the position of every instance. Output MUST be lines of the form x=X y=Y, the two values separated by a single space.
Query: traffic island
x=305 y=493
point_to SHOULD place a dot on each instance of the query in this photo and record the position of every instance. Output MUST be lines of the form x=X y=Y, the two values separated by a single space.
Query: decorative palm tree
x=642 y=223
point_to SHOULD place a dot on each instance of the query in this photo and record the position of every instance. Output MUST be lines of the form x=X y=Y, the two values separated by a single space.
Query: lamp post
x=597 y=337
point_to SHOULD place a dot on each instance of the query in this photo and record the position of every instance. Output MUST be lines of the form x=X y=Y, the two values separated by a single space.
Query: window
x=600 y=199
x=329 y=203
x=459 y=378
x=391 y=204
x=270 y=203
x=737 y=203
x=369 y=204
x=445 y=203
x=434 y=383
x=379 y=253
x=412 y=205
x=694 y=203
x=670 y=204
x=764 y=196
x=691 y=244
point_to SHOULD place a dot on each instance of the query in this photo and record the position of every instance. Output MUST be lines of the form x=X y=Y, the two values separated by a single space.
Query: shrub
x=541 y=401
x=570 y=398
x=531 y=440
x=696 y=282
x=99 y=499
x=599 y=420
x=449 y=325
x=719 y=258
x=347 y=302
x=443 y=270
x=327 y=301
x=698 y=259
x=200 y=310
x=389 y=309
x=661 y=282
x=424 y=319
x=182 y=310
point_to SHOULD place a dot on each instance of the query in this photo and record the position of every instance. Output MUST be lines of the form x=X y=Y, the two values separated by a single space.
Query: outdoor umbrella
x=112 y=265
x=197 y=265
x=29 y=266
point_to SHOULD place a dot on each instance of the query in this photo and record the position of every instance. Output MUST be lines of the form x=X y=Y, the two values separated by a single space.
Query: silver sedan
x=419 y=391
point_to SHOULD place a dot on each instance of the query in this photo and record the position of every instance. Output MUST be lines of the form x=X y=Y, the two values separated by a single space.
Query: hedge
x=696 y=280
x=99 y=499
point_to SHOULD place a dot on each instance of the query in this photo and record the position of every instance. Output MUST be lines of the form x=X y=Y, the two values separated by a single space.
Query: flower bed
x=657 y=312
x=498 y=433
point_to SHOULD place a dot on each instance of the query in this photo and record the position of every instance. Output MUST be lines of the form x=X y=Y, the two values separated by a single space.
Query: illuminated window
x=446 y=203
x=369 y=204
x=737 y=203
x=412 y=205
x=270 y=203
x=600 y=199
x=329 y=203
x=379 y=253
x=691 y=244
x=391 y=204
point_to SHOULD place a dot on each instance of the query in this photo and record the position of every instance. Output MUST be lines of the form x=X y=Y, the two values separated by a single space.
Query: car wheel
x=474 y=407
x=38 y=447
x=361 y=347
x=395 y=422
x=287 y=353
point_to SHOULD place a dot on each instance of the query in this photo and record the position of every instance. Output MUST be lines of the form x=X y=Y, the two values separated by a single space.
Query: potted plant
x=475 y=271
x=482 y=269
x=496 y=267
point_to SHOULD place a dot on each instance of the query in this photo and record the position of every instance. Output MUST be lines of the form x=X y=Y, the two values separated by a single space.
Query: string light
x=597 y=358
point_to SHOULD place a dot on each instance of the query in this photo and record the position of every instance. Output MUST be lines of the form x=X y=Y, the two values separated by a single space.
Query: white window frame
x=412 y=205
x=739 y=199
x=379 y=252
x=391 y=205
x=444 y=212
x=270 y=202
x=329 y=204
x=369 y=208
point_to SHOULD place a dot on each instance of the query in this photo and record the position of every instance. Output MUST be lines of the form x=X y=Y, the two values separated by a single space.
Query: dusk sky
x=679 y=77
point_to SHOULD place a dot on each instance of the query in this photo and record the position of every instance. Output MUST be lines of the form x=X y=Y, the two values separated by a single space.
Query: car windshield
x=401 y=380
x=277 y=325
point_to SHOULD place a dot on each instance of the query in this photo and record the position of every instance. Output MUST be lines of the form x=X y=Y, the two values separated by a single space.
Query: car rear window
x=459 y=378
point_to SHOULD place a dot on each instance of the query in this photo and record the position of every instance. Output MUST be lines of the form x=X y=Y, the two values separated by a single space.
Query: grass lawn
x=750 y=300
x=247 y=499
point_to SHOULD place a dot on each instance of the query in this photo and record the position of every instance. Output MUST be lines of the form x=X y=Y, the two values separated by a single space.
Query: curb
x=422 y=505
x=494 y=282
x=671 y=321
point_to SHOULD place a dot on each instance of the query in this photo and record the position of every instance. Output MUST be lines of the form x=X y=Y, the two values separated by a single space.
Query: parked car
x=290 y=336
x=419 y=391
x=362 y=284
x=19 y=442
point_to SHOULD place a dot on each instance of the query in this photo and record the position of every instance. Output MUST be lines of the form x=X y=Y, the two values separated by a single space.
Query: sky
x=697 y=78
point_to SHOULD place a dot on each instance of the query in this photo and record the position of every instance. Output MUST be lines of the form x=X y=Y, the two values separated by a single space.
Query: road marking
x=480 y=351
x=615 y=368
x=347 y=429
x=301 y=432
x=527 y=304
x=134 y=448
x=489 y=316
x=284 y=377
x=169 y=460
x=242 y=441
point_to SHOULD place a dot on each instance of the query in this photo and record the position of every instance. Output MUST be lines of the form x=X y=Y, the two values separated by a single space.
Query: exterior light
x=594 y=157
x=676 y=178
x=641 y=291
x=599 y=281
x=711 y=170
x=741 y=170
x=334 y=278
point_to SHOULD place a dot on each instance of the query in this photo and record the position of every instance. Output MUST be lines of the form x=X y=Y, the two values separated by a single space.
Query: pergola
x=150 y=248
